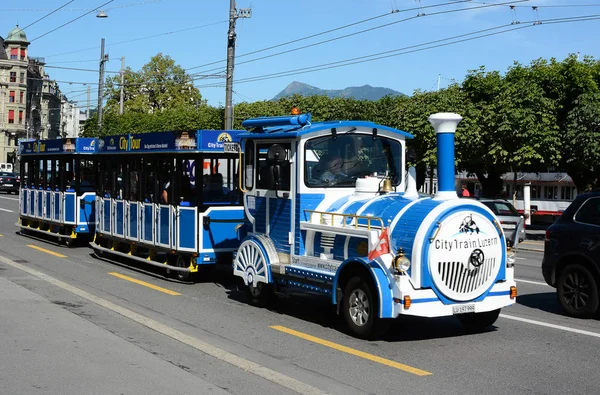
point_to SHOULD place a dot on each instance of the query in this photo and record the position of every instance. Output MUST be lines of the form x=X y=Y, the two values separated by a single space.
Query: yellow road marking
x=46 y=251
x=1 y=235
x=352 y=351
x=145 y=284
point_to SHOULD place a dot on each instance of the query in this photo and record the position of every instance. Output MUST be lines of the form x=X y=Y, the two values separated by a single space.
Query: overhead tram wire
x=371 y=29
x=139 y=38
x=77 y=69
x=197 y=76
x=331 y=30
x=415 y=48
x=547 y=6
x=47 y=15
x=71 y=21
x=515 y=27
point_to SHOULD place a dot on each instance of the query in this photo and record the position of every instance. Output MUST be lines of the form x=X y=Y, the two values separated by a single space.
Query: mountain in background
x=365 y=92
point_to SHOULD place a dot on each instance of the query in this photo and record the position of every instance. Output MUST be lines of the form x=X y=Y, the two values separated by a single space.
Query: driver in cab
x=333 y=170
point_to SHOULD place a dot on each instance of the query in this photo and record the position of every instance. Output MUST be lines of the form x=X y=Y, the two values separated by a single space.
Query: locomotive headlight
x=401 y=262
x=511 y=257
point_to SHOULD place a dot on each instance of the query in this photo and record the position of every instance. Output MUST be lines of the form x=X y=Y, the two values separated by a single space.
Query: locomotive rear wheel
x=477 y=322
x=359 y=307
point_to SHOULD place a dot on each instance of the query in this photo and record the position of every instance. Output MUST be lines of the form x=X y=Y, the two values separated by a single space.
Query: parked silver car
x=513 y=223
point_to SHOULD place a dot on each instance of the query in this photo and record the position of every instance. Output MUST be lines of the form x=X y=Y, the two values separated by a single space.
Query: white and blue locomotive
x=329 y=210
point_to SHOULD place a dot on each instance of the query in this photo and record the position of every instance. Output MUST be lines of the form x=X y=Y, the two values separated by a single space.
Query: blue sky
x=194 y=33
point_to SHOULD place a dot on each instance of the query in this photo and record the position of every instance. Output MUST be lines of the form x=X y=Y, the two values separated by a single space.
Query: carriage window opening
x=219 y=178
x=267 y=168
x=86 y=181
x=69 y=174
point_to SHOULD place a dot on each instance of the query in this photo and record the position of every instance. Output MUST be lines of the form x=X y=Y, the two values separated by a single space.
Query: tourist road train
x=296 y=208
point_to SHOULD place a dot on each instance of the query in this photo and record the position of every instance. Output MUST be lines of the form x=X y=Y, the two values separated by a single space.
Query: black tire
x=261 y=295
x=70 y=242
x=182 y=261
x=359 y=308
x=577 y=291
x=476 y=322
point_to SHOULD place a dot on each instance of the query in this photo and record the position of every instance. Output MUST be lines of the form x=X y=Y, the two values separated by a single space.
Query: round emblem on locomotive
x=465 y=255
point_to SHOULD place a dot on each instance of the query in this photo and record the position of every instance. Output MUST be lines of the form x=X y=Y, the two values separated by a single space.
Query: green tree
x=573 y=85
x=513 y=127
x=411 y=114
x=582 y=152
x=160 y=85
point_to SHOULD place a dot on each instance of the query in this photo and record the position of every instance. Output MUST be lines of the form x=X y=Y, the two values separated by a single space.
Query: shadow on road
x=402 y=329
x=542 y=301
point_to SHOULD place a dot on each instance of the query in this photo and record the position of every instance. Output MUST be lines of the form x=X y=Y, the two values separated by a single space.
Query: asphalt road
x=82 y=315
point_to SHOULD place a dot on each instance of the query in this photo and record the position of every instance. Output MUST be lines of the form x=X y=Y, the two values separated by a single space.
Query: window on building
x=22 y=78
x=567 y=193
x=21 y=98
x=13 y=76
x=23 y=54
x=21 y=117
x=11 y=97
x=14 y=53
x=11 y=116
x=551 y=192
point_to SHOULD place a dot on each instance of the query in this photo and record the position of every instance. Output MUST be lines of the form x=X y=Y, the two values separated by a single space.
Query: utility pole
x=87 y=113
x=103 y=59
x=233 y=16
x=122 y=78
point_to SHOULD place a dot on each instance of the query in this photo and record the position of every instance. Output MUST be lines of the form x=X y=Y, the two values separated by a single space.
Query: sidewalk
x=48 y=350
x=531 y=245
x=534 y=241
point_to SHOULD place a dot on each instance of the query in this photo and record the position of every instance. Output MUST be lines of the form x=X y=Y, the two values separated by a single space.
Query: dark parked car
x=9 y=182
x=571 y=261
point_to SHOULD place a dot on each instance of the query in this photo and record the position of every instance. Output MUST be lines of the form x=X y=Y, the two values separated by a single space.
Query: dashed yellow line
x=348 y=350
x=46 y=251
x=145 y=284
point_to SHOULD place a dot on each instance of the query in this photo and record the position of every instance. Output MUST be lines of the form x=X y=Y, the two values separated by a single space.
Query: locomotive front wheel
x=359 y=307
x=476 y=322
x=261 y=295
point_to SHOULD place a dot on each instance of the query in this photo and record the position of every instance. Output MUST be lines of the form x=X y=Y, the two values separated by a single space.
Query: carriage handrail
x=354 y=217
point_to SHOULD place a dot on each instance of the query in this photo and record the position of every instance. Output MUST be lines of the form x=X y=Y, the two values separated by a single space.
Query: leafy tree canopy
x=160 y=85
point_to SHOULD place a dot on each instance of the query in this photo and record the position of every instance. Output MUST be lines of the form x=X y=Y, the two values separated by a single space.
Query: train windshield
x=338 y=161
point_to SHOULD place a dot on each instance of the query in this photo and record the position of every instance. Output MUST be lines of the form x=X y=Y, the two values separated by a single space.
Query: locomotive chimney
x=445 y=124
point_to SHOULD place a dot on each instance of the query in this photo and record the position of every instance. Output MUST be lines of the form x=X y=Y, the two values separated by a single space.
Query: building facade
x=31 y=104
x=13 y=92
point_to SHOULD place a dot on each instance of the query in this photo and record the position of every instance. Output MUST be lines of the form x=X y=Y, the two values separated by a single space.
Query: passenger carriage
x=168 y=199
x=355 y=231
x=57 y=188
